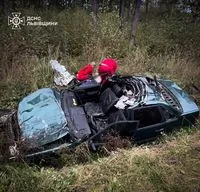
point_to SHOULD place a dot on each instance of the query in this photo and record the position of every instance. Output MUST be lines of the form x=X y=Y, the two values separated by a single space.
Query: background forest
x=159 y=37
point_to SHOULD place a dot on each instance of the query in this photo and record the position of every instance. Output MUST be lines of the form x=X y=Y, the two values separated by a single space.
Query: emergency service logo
x=16 y=21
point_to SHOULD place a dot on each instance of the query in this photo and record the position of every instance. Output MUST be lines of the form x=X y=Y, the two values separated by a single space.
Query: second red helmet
x=107 y=67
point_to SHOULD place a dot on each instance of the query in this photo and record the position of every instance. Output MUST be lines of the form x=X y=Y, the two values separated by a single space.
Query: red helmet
x=107 y=67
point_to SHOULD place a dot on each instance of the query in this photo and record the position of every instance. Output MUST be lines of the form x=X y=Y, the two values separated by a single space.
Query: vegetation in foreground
x=171 y=165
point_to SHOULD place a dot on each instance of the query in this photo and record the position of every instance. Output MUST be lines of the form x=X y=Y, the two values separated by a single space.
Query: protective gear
x=108 y=67
x=85 y=72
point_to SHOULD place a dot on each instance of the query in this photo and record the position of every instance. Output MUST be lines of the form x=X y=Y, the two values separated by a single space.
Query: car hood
x=41 y=118
x=186 y=102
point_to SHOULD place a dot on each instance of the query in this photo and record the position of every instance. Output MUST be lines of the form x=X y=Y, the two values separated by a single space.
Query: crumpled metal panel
x=41 y=118
x=149 y=95
x=153 y=97
x=187 y=104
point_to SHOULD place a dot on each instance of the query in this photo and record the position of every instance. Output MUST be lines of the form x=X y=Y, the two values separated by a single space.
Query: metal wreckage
x=137 y=107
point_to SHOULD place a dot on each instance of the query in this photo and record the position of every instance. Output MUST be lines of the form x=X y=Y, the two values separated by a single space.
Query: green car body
x=162 y=107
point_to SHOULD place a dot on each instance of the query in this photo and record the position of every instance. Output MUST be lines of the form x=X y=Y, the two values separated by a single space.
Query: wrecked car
x=138 y=107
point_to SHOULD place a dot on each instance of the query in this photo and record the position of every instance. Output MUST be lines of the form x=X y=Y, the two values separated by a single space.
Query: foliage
x=169 y=47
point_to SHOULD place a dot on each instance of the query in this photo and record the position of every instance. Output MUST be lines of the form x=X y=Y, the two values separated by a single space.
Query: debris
x=13 y=150
x=61 y=76
x=126 y=100
x=121 y=103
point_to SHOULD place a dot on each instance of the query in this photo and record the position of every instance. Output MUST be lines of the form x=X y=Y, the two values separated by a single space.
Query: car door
x=171 y=118
x=151 y=122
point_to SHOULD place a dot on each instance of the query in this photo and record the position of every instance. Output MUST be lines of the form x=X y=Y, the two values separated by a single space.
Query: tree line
x=127 y=8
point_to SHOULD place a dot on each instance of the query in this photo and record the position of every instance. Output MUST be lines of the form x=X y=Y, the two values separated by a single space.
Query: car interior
x=90 y=109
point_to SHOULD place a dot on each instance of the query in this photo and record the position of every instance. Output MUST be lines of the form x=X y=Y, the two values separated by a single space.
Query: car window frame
x=175 y=112
x=150 y=106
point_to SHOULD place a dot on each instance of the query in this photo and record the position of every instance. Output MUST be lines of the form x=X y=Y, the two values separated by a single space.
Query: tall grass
x=169 y=48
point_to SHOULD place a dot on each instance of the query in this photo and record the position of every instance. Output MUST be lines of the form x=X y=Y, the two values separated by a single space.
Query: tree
x=146 y=6
x=168 y=6
x=7 y=6
x=121 y=14
x=134 y=22
x=129 y=7
x=94 y=11
x=110 y=3
x=194 y=7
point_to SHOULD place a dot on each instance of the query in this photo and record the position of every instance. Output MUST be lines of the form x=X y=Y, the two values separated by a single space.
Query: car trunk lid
x=41 y=118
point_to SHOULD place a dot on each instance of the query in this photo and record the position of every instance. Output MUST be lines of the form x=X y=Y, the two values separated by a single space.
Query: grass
x=171 y=165
x=167 y=47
